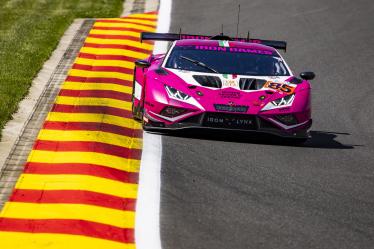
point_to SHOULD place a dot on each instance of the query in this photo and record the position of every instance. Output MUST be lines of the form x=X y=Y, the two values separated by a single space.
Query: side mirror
x=307 y=75
x=142 y=63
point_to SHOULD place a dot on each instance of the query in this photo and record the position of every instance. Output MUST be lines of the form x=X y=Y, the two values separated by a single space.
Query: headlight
x=282 y=102
x=176 y=94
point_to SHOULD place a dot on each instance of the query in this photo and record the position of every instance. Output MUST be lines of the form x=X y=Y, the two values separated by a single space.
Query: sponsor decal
x=231 y=107
x=224 y=44
x=251 y=51
x=229 y=83
x=198 y=37
x=274 y=77
x=233 y=49
x=230 y=80
x=230 y=95
x=231 y=121
x=205 y=37
x=228 y=76
x=280 y=87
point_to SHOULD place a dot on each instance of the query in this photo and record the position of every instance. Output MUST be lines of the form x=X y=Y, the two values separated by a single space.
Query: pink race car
x=221 y=83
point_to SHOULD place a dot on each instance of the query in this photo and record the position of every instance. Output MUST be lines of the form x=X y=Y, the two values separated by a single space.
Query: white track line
x=147 y=228
x=163 y=25
x=147 y=225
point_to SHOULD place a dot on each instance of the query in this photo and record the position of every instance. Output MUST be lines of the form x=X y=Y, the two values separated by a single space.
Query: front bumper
x=229 y=121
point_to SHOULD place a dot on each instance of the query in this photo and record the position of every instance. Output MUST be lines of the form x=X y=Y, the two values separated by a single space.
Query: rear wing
x=174 y=37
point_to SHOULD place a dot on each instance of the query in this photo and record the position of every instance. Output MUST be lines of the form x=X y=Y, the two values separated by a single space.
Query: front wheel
x=137 y=111
x=136 y=114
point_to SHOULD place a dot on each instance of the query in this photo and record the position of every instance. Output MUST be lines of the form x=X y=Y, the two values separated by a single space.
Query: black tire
x=136 y=114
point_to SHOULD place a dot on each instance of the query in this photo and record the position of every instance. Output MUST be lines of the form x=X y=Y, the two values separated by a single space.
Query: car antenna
x=237 y=24
x=222 y=29
x=248 y=40
x=180 y=33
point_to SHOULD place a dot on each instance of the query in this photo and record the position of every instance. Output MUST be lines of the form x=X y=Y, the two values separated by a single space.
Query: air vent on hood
x=208 y=81
x=295 y=80
x=251 y=84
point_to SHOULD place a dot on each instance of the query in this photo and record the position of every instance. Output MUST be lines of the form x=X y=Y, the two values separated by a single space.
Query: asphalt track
x=236 y=191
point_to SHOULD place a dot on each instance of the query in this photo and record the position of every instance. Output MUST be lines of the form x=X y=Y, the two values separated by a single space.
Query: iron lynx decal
x=233 y=49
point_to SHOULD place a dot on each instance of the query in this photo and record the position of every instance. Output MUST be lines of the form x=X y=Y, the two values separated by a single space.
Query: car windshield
x=226 y=60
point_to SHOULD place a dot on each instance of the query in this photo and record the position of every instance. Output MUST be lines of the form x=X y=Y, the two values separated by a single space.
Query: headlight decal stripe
x=279 y=103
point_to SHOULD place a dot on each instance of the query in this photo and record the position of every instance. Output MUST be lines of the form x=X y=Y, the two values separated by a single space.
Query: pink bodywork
x=155 y=98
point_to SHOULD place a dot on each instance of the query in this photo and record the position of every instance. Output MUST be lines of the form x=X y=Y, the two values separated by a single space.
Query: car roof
x=215 y=43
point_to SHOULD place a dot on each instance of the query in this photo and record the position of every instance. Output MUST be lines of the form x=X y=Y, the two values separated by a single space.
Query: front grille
x=251 y=83
x=230 y=121
x=230 y=108
x=192 y=120
x=208 y=81
x=267 y=125
x=295 y=80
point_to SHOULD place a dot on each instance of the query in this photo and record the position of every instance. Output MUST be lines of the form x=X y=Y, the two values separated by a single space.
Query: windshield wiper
x=198 y=63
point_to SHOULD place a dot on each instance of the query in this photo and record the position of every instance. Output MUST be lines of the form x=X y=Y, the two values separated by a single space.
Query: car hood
x=230 y=93
x=228 y=80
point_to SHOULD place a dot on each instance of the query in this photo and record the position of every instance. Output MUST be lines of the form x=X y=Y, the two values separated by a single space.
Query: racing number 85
x=280 y=87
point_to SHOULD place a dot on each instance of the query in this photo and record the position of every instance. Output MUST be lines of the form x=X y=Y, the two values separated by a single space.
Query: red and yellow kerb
x=79 y=186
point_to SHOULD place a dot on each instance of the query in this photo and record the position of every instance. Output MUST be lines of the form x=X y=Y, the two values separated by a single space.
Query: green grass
x=29 y=32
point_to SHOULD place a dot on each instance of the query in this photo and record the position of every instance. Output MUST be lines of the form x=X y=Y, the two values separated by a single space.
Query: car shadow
x=328 y=140
x=318 y=139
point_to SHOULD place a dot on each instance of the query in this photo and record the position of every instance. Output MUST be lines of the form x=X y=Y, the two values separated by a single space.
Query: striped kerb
x=79 y=186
